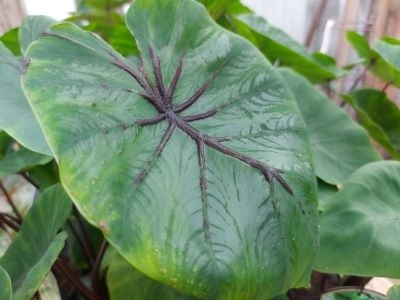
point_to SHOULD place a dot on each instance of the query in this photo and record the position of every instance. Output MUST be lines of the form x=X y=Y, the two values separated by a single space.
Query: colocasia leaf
x=359 y=224
x=278 y=47
x=195 y=163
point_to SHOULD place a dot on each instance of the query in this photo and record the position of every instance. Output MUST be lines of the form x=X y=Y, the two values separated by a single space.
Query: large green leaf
x=32 y=28
x=394 y=293
x=186 y=201
x=359 y=226
x=340 y=146
x=21 y=160
x=381 y=58
x=278 y=46
x=126 y=283
x=16 y=117
x=5 y=285
x=38 y=243
x=380 y=116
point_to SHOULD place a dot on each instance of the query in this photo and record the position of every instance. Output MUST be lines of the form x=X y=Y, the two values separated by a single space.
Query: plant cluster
x=190 y=154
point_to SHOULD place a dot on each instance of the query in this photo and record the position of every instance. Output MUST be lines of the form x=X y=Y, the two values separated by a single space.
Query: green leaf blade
x=16 y=117
x=126 y=283
x=32 y=28
x=340 y=146
x=37 y=244
x=5 y=285
x=227 y=241
x=281 y=48
x=357 y=232
x=21 y=160
x=380 y=116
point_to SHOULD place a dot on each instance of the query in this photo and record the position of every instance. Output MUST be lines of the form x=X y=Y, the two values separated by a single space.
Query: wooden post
x=12 y=12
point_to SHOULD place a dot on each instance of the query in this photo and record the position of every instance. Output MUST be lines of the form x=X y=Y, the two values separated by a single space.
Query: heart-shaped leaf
x=16 y=117
x=195 y=164
x=38 y=243
x=333 y=133
x=278 y=46
x=360 y=224
x=380 y=116
x=5 y=285
x=126 y=283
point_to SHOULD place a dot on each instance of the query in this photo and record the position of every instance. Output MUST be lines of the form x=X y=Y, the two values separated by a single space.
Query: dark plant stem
x=4 y=220
x=30 y=180
x=4 y=227
x=385 y=87
x=96 y=277
x=74 y=279
x=82 y=243
x=12 y=218
x=10 y=201
x=358 y=79
x=358 y=281
x=85 y=236
x=356 y=82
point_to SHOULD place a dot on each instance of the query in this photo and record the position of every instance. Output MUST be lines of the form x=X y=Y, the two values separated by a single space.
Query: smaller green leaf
x=278 y=46
x=126 y=283
x=339 y=145
x=359 y=231
x=220 y=9
x=394 y=293
x=38 y=243
x=10 y=40
x=31 y=29
x=16 y=116
x=5 y=285
x=91 y=6
x=121 y=40
x=361 y=46
x=45 y=175
x=380 y=59
x=380 y=116
x=21 y=160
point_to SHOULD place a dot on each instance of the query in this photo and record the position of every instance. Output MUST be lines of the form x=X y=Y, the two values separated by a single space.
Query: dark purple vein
x=174 y=80
x=157 y=73
x=203 y=188
x=188 y=103
x=157 y=152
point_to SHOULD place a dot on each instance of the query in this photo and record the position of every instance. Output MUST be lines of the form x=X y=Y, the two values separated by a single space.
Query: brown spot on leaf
x=104 y=227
